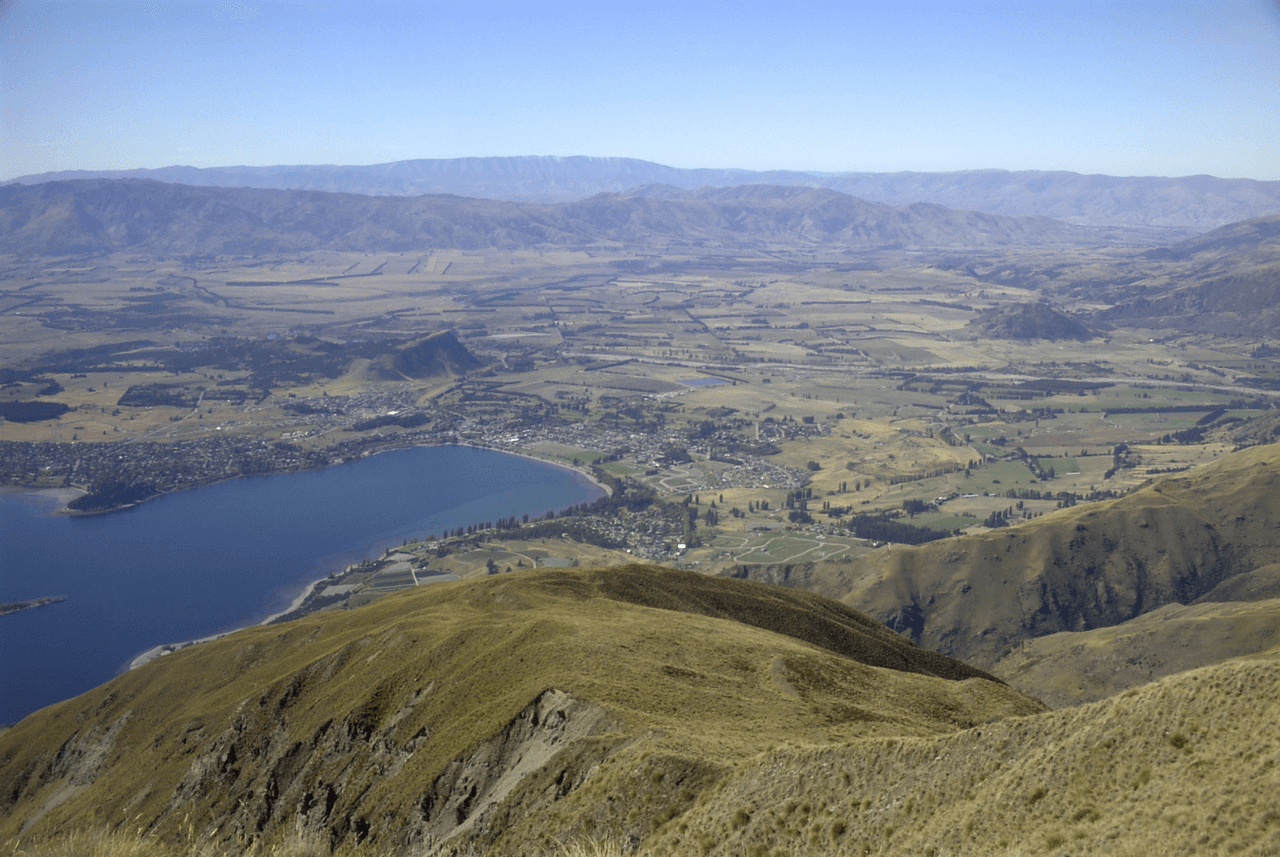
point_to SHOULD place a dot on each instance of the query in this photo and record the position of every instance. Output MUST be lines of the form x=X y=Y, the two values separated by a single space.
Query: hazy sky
x=1124 y=87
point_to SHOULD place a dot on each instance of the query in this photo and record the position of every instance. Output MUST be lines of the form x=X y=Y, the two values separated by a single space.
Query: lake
x=186 y=565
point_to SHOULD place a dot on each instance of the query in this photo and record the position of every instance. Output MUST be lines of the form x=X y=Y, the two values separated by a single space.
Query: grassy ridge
x=367 y=726
x=1183 y=766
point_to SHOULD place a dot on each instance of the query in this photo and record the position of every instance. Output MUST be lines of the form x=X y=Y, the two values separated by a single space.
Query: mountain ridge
x=102 y=215
x=978 y=596
x=1226 y=281
x=1187 y=203
x=347 y=728
x=460 y=713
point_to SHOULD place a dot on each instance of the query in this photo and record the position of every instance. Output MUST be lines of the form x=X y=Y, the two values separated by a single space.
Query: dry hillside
x=460 y=714
x=656 y=712
x=1189 y=765
x=977 y=597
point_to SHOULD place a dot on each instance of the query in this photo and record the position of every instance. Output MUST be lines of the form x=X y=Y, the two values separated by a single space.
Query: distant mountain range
x=1191 y=204
x=1223 y=281
x=109 y=215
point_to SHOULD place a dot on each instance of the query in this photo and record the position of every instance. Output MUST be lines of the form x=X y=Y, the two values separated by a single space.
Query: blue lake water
x=197 y=562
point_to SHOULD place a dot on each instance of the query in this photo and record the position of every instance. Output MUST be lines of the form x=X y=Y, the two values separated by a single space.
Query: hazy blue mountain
x=1190 y=204
x=106 y=215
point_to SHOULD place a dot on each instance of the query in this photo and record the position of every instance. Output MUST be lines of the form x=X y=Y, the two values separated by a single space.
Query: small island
x=15 y=606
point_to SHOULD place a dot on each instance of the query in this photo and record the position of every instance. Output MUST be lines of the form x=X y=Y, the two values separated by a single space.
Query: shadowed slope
x=820 y=621
x=1084 y=666
x=977 y=596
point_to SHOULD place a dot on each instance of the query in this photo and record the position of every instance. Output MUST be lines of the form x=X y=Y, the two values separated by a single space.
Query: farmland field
x=772 y=399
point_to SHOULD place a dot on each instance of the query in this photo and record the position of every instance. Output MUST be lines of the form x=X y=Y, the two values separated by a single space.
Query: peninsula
x=17 y=606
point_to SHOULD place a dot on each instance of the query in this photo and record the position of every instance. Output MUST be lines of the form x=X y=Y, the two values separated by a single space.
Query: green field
x=997 y=477
x=619 y=468
x=1061 y=466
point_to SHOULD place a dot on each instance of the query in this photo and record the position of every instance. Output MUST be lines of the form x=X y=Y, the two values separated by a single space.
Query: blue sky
x=1123 y=87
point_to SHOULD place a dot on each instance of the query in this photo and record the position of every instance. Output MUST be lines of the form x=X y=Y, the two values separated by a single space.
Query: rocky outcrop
x=261 y=776
x=469 y=796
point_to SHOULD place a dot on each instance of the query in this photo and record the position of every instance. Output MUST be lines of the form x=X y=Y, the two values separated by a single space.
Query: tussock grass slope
x=1084 y=666
x=1188 y=765
x=497 y=712
x=1173 y=541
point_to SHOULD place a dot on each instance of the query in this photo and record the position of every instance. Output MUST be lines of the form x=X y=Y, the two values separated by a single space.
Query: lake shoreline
x=308 y=589
x=169 y=648
x=67 y=495
x=199 y=565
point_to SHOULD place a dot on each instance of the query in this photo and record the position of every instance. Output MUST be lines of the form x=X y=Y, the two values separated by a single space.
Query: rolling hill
x=437 y=354
x=977 y=597
x=465 y=713
x=1189 y=204
x=655 y=711
x=1027 y=321
x=1069 y=668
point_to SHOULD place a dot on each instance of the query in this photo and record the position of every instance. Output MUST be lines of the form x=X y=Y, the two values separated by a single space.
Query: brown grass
x=1088 y=566
x=695 y=673
x=1185 y=766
